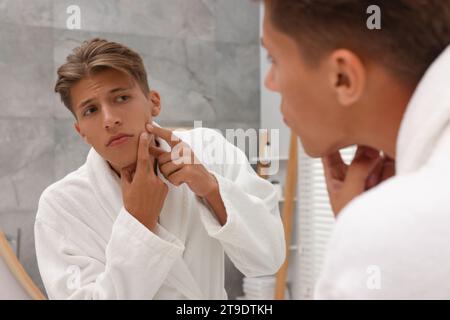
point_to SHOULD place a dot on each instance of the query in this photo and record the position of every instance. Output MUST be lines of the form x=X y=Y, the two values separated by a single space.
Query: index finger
x=143 y=156
x=156 y=151
x=165 y=134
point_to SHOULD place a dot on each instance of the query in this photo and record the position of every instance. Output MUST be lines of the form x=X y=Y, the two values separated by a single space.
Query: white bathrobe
x=89 y=247
x=393 y=242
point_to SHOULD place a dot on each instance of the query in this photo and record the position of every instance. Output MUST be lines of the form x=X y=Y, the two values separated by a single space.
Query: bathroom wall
x=201 y=55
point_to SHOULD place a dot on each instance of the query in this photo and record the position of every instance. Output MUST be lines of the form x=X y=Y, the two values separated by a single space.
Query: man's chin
x=314 y=151
x=314 y=154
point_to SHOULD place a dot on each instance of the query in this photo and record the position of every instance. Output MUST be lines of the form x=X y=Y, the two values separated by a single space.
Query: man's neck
x=132 y=167
x=115 y=169
x=381 y=118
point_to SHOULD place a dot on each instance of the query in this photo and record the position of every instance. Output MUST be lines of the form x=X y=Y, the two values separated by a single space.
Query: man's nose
x=110 y=118
x=269 y=81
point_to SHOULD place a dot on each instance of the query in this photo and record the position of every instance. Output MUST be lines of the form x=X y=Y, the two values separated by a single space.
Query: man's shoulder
x=402 y=196
x=397 y=228
x=403 y=212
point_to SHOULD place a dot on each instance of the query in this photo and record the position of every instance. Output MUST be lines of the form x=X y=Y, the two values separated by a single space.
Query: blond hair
x=94 y=56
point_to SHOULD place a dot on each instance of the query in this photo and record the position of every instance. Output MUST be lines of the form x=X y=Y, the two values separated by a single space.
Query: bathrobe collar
x=426 y=117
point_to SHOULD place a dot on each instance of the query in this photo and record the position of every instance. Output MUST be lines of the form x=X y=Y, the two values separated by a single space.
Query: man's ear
x=155 y=98
x=347 y=76
x=77 y=128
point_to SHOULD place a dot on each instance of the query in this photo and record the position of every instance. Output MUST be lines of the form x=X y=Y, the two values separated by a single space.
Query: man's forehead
x=108 y=78
x=102 y=82
x=267 y=34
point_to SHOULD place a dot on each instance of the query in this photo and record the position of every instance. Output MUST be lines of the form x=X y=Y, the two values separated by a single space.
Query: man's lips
x=118 y=139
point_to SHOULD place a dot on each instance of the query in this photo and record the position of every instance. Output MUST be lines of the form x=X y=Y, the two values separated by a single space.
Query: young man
x=385 y=90
x=144 y=218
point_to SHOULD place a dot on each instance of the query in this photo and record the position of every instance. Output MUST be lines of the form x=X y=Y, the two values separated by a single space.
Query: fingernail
x=149 y=126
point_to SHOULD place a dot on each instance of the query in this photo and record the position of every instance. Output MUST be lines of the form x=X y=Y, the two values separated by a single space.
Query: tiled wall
x=201 y=55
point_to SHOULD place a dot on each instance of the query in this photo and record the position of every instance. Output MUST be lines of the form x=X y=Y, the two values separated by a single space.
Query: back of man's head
x=412 y=34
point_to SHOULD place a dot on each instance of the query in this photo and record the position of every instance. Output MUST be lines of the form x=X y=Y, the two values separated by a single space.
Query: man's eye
x=89 y=111
x=122 y=98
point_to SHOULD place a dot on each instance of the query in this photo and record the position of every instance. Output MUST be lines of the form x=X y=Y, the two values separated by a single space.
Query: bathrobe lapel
x=426 y=117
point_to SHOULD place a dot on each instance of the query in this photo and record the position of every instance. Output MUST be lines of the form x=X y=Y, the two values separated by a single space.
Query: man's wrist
x=145 y=221
x=214 y=189
x=215 y=202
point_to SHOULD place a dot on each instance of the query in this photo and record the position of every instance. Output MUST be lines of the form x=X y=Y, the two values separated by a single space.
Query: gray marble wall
x=201 y=55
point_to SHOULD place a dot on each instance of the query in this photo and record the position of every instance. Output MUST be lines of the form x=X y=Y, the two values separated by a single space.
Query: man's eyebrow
x=85 y=102
x=119 y=89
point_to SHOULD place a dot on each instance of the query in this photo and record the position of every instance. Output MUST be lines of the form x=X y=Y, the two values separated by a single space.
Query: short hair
x=94 y=56
x=413 y=32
